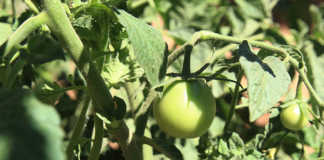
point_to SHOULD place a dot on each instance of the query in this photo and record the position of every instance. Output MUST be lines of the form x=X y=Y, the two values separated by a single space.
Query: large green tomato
x=186 y=109
x=293 y=118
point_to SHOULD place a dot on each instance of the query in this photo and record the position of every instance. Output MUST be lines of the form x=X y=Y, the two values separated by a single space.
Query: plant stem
x=13 y=8
x=207 y=35
x=310 y=88
x=77 y=131
x=186 y=63
x=220 y=52
x=299 y=92
x=32 y=6
x=234 y=101
x=146 y=104
x=130 y=97
x=23 y=31
x=99 y=132
x=321 y=152
x=61 y=25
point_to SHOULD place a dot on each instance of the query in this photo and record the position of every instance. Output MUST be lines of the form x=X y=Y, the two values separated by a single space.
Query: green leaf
x=5 y=32
x=116 y=73
x=44 y=48
x=223 y=148
x=250 y=9
x=29 y=128
x=93 y=24
x=236 y=22
x=235 y=142
x=148 y=45
x=48 y=93
x=267 y=80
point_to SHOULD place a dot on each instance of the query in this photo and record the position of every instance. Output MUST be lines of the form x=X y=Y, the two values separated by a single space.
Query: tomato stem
x=234 y=101
x=32 y=6
x=186 y=62
x=299 y=92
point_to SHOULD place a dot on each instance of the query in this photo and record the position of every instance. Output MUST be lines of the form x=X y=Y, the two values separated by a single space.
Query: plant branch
x=207 y=35
x=32 y=6
x=146 y=104
x=23 y=31
x=234 y=101
x=60 y=24
x=310 y=88
x=77 y=131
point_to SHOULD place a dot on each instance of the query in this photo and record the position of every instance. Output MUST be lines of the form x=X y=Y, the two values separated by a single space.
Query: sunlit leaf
x=268 y=80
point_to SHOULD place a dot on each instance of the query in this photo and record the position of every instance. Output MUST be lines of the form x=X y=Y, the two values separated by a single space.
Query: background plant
x=79 y=78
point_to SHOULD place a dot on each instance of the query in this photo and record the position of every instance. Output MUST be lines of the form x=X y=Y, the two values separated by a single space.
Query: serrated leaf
x=148 y=45
x=235 y=141
x=267 y=80
x=5 y=31
x=31 y=129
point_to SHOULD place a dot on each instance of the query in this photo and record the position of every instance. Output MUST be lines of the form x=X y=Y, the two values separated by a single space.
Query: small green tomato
x=186 y=109
x=293 y=118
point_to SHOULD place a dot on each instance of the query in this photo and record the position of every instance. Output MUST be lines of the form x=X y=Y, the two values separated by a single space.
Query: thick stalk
x=61 y=25
x=97 y=89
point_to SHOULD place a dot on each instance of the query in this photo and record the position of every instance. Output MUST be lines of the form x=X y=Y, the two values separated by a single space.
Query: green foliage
x=148 y=46
x=29 y=128
x=86 y=74
x=5 y=32
x=268 y=80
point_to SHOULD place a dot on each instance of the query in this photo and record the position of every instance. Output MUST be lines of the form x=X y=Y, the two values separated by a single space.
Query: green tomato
x=186 y=109
x=293 y=118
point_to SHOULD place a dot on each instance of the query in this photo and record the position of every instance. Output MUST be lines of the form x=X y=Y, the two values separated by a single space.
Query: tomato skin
x=186 y=109
x=293 y=118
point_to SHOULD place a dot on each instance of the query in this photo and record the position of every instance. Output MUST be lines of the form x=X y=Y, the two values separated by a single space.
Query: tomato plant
x=85 y=74
x=293 y=118
x=186 y=109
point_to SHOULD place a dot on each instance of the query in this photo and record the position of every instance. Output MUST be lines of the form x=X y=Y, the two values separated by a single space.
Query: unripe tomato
x=186 y=109
x=293 y=118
